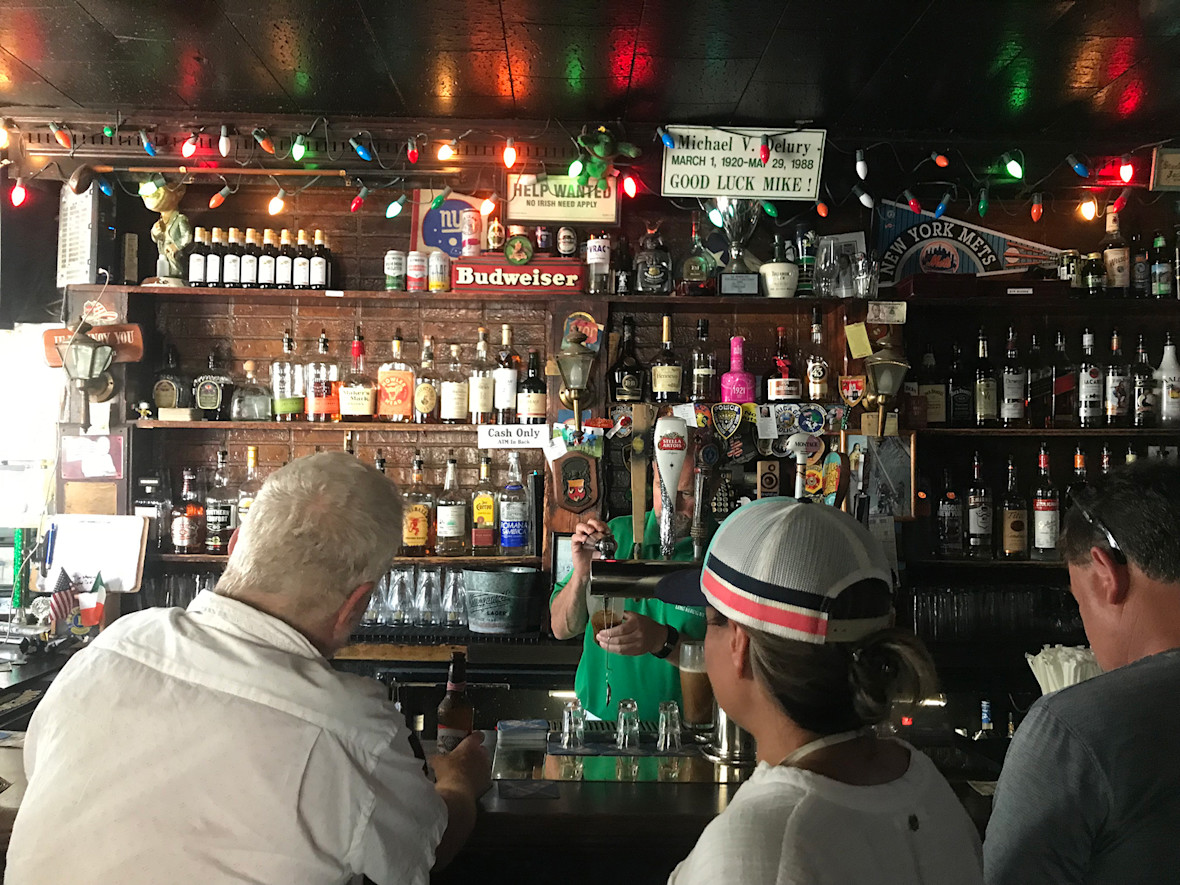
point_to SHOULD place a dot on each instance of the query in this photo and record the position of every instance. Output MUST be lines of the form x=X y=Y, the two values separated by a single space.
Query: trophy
x=738 y=220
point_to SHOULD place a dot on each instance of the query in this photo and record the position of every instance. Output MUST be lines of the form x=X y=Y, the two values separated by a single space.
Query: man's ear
x=739 y=650
x=353 y=609
x=1111 y=579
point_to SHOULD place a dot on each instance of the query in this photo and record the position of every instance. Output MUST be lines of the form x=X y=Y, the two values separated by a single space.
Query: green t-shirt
x=645 y=678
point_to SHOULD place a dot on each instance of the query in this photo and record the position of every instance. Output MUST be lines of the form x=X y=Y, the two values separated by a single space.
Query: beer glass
x=605 y=611
x=428 y=599
x=696 y=690
x=627 y=733
x=399 y=595
x=454 y=602
x=573 y=725
x=668 y=736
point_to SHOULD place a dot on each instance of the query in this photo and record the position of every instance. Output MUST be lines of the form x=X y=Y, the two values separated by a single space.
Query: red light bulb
x=359 y=200
x=18 y=193
x=764 y=150
x=412 y=149
x=629 y=186
x=1120 y=202
x=940 y=160
x=218 y=198
x=63 y=137
x=1038 y=208
x=915 y=206
x=509 y=154
x=821 y=208
x=1126 y=170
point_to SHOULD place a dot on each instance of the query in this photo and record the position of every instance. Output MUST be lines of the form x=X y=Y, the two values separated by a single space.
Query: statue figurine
x=172 y=234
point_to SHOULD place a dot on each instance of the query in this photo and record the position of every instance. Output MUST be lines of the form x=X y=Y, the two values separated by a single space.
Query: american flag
x=64 y=600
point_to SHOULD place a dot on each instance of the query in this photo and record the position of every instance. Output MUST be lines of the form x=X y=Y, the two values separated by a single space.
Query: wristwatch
x=669 y=643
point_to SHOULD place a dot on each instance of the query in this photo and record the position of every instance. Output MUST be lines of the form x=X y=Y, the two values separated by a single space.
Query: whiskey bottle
x=187 y=525
x=667 y=369
x=485 y=527
x=320 y=268
x=452 y=531
x=1162 y=278
x=321 y=385
x=1118 y=385
x=395 y=386
x=979 y=514
x=1116 y=255
x=266 y=260
x=213 y=391
x=481 y=385
x=456 y=713
x=781 y=385
x=703 y=365
x=152 y=501
x=213 y=259
x=628 y=375
x=453 y=394
x=515 y=518
x=962 y=390
x=231 y=263
x=286 y=381
x=1090 y=384
x=698 y=271
x=986 y=388
x=221 y=508
x=950 y=519
x=505 y=378
x=1142 y=389
x=251 y=486
x=301 y=263
x=1046 y=511
x=1168 y=374
x=1013 y=519
x=1065 y=386
x=172 y=388
x=358 y=390
x=1040 y=386
x=252 y=400
x=531 y=400
x=817 y=361
x=197 y=251
x=1013 y=386
x=737 y=385
x=932 y=387
x=285 y=262
x=426 y=386
x=417 y=513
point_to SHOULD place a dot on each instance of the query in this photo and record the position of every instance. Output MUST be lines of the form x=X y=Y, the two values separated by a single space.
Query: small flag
x=90 y=605
x=61 y=605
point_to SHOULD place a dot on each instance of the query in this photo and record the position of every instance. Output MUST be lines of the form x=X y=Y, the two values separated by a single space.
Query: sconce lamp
x=885 y=368
x=575 y=361
x=85 y=361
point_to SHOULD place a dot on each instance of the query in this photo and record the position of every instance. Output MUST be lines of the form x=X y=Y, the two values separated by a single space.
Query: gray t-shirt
x=1090 y=791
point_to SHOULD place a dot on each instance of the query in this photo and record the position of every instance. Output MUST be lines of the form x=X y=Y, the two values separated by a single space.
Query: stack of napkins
x=1060 y=666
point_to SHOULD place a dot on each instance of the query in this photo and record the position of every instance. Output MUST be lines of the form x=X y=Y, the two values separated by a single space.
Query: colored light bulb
x=1088 y=208
x=576 y=167
x=148 y=147
x=764 y=150
x=109 y=130
x=394 y=209
x=1014 y=167
x=630 y=188
x=865 y=198
x=821 y=208
x=358 y=200
x=277 y=203
x=983 y=202
x=1078 y=166
x=715 y=218
x=1038 y=208
x=19 y=193
x=862 y=165
x=223 y=142
x=488 y=206
x=5 y=138
x=264 y=141
x=446 y=150
x=1120 y=202
x=299 y=148
x=665 y=137
x=189 y=147
x=443 y=194
x=915 y=206
x=149 y=186
x=218 y=198
x=940 y=209
x=769 y=208
x=940 y=160
x=104 y=185
x=63 y=137
x=411 y=150
x=1126 y=169
x=361 y=151
x=509 y=154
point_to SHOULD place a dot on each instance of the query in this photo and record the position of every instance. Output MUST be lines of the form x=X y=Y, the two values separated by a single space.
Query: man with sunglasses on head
x=1090 y=790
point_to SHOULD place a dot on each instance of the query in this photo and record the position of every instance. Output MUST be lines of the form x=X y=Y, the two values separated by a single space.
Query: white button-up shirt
x=217 y=745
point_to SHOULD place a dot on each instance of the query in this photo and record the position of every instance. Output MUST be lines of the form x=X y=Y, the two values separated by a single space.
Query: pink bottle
x=737 y=385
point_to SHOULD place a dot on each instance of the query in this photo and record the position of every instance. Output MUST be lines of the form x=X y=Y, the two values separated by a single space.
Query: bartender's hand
x=585 y=536
x=637 y=635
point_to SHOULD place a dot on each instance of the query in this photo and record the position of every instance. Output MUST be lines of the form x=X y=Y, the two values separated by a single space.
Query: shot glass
x=627 y=731
x=668 y=736
x=573 y=725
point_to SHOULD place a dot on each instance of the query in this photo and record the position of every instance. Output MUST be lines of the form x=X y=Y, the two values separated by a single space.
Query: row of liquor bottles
x=672 y=378
x=244 y=262
x=501 y=390
x=1121 y=269
x=1052 y=389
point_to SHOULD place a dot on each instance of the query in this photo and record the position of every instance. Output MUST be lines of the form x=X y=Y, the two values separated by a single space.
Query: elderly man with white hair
x=217 y=744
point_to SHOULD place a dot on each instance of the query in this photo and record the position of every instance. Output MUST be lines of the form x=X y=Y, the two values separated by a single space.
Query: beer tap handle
x=697 y=532
x=671 y=446
x=642 y=416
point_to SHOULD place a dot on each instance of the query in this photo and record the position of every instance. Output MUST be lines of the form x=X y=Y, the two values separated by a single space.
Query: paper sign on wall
x=512 y=436
x=708 y=162
x=561 y=198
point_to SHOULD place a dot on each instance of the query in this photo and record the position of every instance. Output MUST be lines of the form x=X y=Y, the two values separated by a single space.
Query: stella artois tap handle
x=642 y=416
x=671 y=445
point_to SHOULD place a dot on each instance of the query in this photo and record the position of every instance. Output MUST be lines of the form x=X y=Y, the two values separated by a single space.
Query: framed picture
x=882 y=478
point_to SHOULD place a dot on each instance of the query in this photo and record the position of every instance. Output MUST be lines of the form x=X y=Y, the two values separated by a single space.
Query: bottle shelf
x=218 y=559
x=1045 y=304
x=1092 y=432
x=327 y=427
x=925 y=563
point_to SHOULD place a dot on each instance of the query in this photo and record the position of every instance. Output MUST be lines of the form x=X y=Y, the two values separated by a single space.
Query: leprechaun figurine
x=172 y=234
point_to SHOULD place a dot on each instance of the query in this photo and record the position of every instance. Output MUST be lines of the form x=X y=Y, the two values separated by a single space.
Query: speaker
x=28 y=253
x=768 y=479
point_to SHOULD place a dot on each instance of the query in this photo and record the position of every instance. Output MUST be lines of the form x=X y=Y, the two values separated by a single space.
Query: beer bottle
x=456 y=715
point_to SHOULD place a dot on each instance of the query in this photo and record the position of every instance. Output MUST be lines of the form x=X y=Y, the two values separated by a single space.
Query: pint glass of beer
x=697 y=690
x=605 y=611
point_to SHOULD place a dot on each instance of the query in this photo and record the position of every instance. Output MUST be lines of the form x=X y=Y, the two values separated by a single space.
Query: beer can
x=567 y=242
x=470 y=232
x=416 y=272
x=395 y=271
x=543 y=239
x=439 y=272
x=495 y=235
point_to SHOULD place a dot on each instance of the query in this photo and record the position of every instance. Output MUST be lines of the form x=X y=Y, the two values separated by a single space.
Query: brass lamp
x=85 y=361
x=574 y=361
x=885 y=368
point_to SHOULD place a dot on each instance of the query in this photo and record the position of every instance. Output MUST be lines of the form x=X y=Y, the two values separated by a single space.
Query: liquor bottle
x=780 y=275
x=231 y=263
x=805 y=243
x=251 y=486
x=453 y=392
x=1013 y=519
x=667 y=369
x=301 y=262
x=286 y=381
x=1162 y=279
x=221 y=508
x=1040 y=386
x=152 y=501
x=172 y=388
x=817 y=361
x=950 y=519
x=1079 y=482
x=418 y=524
x=249 y=263
x=485 y=528
x=266 y=260
x=1116 y=255
x=1142 y=389
x=506 y=377
x=456 y=713
x=1090 y=384
x=780 y=384
x=358 y=390
x=197 y=251
x=737 y=385
x=1013 y=386
x=320 y=268
x=379 y=462
x=979 y=514
x=452 y=531
x=1140 y=267
x=320 y=385
x=213 y=259
x=1106 y=461
x=1168 y=375
x=932 y=387
x=1046 y=511
x=653 y=267
x=628 y=376
x=986 y=387
x=213 y=391
x=285 y=262
x=426 y=387
x=395 y=385
x=1117 y=394
x=187 y=524
x=481 y=385
x=962 y=389
x=698 y=271
x=1065 y=386
x=621 y=268
x=703 y=365
x=531 y=400
x=252 y=400
x=1132 y=456
x=986 y=731
x=515 y=518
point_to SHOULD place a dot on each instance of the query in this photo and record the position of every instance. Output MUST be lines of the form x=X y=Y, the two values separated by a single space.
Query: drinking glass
x=696 y=690
x=827 y=267
x=668 y=736
x=605 y=611
x=454 y=603
x=627 y=733
x=399 y=595
x=428 y=598
x=866 y=274
x=573 y=725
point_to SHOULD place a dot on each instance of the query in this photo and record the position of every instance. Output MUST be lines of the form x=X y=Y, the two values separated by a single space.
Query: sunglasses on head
x=1098 y=525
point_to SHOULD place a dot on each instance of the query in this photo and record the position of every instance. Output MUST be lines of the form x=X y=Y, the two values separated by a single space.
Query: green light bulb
x=1013 y=166
x=299 y=148
x=769 y=208
x=575 y=167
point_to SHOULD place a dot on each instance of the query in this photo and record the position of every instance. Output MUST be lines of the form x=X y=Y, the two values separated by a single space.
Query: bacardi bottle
x=1168 y=375
x=1090 y=384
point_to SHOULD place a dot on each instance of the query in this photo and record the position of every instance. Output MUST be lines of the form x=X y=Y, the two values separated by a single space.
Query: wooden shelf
x=1045 y=304
x=217 y=559
x=1051 y=431
x=328 y=427
x=983 y=563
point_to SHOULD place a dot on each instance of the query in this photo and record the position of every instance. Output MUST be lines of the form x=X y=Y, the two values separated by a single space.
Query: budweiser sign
x=496 y=272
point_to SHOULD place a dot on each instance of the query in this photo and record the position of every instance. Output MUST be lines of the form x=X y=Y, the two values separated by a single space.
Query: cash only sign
x=708 y=162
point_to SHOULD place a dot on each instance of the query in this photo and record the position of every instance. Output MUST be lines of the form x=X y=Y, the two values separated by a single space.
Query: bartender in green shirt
x=645 y=648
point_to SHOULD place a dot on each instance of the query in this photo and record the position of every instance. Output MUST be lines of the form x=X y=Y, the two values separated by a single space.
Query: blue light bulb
x=361 y=151
x=1078 y=166
x=666 y=138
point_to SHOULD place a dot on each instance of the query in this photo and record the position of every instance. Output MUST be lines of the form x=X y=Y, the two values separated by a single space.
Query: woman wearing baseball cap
x=802 y=653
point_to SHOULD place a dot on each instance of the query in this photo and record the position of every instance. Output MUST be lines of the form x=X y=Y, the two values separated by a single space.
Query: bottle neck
x=514 y=477
x=736 y=355
x=450 y=479
x=358 y=356
x=1011 y=477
